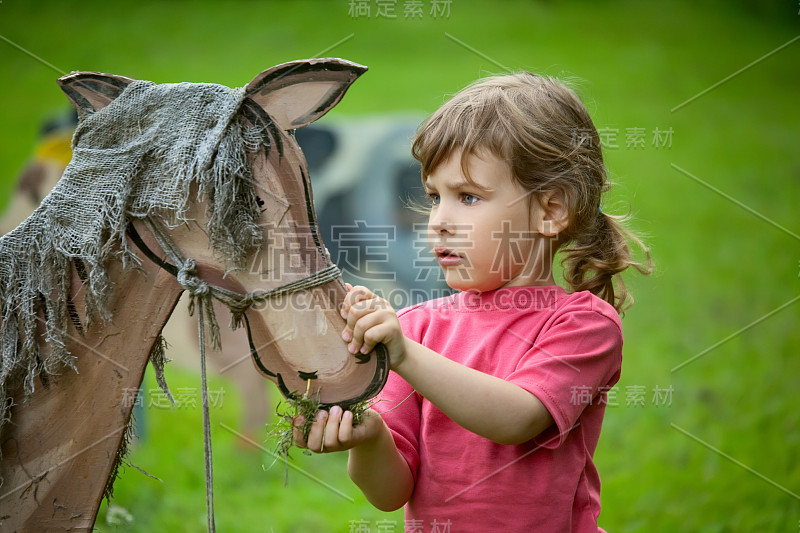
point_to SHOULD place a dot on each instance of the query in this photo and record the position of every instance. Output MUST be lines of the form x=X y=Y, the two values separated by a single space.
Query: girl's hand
x=371 y=320
x=334 y=431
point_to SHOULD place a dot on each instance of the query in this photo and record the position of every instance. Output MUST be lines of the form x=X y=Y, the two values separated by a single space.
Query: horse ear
x=92 y=91
x=297 y=93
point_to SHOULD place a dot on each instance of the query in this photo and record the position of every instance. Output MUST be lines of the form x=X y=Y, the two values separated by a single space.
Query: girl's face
x=486 y=234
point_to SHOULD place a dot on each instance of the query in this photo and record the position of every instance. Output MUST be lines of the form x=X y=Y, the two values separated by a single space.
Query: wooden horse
x=59 y=446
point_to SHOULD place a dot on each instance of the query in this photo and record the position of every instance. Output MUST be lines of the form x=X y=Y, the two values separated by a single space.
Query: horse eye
x=259 y=201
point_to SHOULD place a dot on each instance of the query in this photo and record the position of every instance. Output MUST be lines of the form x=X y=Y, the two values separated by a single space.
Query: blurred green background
x=709 y=446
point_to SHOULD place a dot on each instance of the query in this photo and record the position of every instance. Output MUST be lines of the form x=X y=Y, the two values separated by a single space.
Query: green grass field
x=706 y=432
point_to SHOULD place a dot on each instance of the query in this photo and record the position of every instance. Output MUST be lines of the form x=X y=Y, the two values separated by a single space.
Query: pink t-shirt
x=564 y=348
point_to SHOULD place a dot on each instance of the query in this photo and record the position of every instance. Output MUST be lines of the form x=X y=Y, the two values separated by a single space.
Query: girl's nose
x=439 y=223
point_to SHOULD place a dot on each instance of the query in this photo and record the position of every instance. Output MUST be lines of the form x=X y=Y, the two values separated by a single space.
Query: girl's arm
x=486 y=405
x=380 y=471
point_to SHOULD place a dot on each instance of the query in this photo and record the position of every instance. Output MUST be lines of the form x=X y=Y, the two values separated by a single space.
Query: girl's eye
x=469 y=199
x=434 y=198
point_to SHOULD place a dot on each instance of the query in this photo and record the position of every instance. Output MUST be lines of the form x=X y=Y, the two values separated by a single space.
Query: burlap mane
x=138 y=156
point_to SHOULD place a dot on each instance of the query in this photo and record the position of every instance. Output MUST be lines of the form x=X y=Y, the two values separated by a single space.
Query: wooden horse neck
x=59 y=452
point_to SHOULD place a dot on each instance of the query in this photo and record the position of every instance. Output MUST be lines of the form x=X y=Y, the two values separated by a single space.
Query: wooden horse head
x=295 y=338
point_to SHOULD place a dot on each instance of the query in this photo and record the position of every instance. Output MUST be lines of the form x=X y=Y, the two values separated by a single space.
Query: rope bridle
x=201 y=294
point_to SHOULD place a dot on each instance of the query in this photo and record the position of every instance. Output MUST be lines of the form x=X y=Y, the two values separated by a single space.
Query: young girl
x=498 y=392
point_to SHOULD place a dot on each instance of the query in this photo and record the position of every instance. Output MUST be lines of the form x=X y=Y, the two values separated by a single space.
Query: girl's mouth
x=446 y=257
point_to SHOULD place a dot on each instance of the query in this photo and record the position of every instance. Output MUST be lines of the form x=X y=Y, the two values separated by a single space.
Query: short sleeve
x=571 y=363
x=400 y=406
x=400 y=402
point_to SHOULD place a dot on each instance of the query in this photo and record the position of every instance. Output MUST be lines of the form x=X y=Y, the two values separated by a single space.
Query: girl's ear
x=554 y=216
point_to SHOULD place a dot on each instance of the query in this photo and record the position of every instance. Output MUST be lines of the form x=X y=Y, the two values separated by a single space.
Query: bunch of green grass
x=306 y=408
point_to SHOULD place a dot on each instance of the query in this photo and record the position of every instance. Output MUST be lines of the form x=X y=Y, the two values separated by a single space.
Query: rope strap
x=201 y=294
x=237 y=303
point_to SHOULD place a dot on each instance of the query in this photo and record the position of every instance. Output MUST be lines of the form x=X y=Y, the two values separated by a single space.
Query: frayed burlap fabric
x=150 y=152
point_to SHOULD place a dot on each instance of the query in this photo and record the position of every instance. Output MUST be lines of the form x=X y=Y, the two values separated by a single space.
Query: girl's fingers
x=354 y=332
x=299 y=439
x=363 y=308
x=355 y=294
x=346 y=429
x=355 y=313
x=333 y=431
x=324 y=435
x=375 y=335
x=315 y=435
x=363 y=311
x=331 y=437
x=367 y=332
